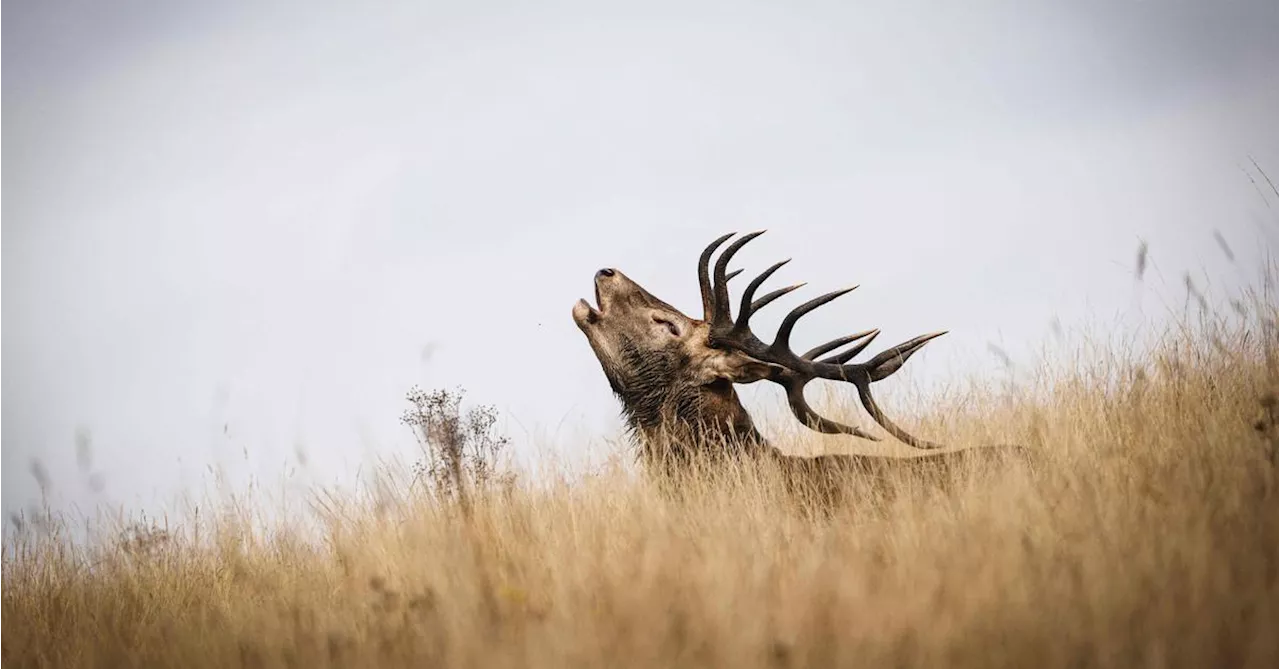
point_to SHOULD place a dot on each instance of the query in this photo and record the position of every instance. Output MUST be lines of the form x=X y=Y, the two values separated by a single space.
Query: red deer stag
x=675 y=375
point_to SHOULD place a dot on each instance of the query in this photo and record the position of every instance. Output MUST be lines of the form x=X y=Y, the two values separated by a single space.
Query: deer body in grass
x=675 y=375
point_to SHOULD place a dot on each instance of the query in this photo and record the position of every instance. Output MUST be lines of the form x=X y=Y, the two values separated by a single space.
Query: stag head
x=675 y=375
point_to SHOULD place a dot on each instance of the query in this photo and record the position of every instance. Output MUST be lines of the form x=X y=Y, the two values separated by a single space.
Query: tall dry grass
x=1144 y=533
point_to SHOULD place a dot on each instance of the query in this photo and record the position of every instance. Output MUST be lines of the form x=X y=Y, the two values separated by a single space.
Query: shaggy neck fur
x=671 y=416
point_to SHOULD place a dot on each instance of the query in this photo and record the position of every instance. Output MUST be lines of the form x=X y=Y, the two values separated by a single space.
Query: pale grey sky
x=234 y=229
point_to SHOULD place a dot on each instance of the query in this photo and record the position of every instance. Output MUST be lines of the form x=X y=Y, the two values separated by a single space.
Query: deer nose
x=606 y=272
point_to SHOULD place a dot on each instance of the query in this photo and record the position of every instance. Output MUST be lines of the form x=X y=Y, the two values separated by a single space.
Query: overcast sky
x=233 y=232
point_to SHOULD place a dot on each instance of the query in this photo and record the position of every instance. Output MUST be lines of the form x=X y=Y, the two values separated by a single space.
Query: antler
x=793 y=371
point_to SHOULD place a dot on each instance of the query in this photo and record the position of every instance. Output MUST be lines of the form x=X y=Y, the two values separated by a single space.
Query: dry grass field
x=1143 y=533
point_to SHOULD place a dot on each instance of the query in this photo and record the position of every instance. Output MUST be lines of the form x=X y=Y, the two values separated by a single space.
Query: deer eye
x=671 y=327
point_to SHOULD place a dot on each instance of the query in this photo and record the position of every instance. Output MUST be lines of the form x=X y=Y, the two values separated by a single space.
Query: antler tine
x=732 y=274
x=771 y=296
x=782 y=341
x=723 y=318
x=811 y=419
x=864 y=394
x=747 y=307
x=846 y=356
x=837 y=343
x=704 y=277
x=891 y=360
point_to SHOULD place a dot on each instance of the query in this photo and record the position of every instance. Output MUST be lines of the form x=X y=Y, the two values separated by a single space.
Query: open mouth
x=592 y=311
x=593 y=314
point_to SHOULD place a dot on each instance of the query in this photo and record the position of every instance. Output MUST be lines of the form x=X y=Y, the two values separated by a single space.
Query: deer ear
x=738 y=368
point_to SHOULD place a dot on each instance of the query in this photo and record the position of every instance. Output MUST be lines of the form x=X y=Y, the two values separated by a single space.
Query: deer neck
x=688 y=420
